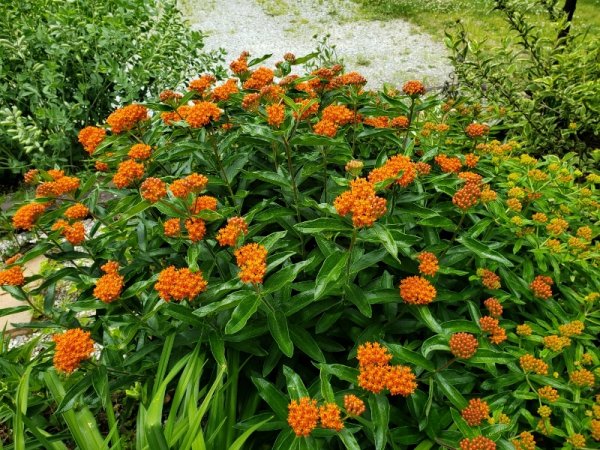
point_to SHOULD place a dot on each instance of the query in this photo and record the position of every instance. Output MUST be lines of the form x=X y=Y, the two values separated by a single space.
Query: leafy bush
x=65 y=64
x=460 y=271
x=548 y=81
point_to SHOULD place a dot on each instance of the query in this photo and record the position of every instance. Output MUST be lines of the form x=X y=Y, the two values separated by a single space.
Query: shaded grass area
x=482 y=23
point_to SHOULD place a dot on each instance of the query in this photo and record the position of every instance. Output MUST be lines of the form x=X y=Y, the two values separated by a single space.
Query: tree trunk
x=569 y=10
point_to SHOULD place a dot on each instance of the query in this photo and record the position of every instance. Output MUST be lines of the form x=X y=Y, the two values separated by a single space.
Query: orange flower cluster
x=477 y=443
x=540 y=217
x=193 y=183
x=140 y=151
x=204 y=202
x=31 y=176
x=417 y=291
x=346 y=79
x=240 y=65
x=272 y=93
x=577 y=440
x=541 y=287
x=595 y=429
x=574 y=328
x=448 y=164
x=428 y=263
x=226 y=90
x=201 y=84
x=168 y=117
x=524 y=330
x=153 y=189
x=128 y=173
x=168 y=95
x=354 y=406
x=467 y=196
x=490 y=325
x=55 y=174
x=487 y=195
x=303 y=416
x=463 y=345
x=72 y=347
x=179 y=284
x=230 y=233
x=275 y=114
x=202 y=113
x=585 y=233
x=27 y=215
x=524 y=442
x=101 y=166
x=62 y=185
x=259 y=79
x=172 y=227
x=423 y=168
x=477 y=130
x=494 y=307
x=582 y=378
x=77 y=212
x=376 y=374
x=354 y=167
x=124 y=119
x=12 y=276
x=489 y=279
x=557 y=226
x=74 y=233
x=196 y=229
x=471 y=160
x=400 y=122
x=377 y=122
x=361 y=202
x=529 y=363
x=109 y=286
x=251 y=101
x=333 y=116
x=476 y=412
x=393 y=167
x=414 y=88
x=91 y=137
x=330 y=417
x=13 y=259
x=548 y=393
x=252 y=261
x=556 y=343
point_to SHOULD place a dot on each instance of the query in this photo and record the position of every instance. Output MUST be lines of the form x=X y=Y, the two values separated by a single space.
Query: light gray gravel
x=383 y=51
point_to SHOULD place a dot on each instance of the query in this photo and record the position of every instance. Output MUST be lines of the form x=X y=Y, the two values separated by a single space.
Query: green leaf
x=483 y=251
x=272 y=396
x=21 y=404
x=450 y=392
x=325 y=224
x=305 y=342
x=285 y=276
x=357 y=296
x=330 y=272
x=278 y=327
x=412 y=357
x=380 y=417
x=386 y=239
x=295 y=386
x=348 y=439
x=242 y=312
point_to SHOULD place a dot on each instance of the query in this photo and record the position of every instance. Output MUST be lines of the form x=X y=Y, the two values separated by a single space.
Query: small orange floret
x=541 y=287
x=27 y=215
x=361 y=202
x=128 y=172
x=493 y=306
x=529 y=363
x=196 y=228
x=12 y=276
x=477 y=443
x=414 y=88
x=153 y=189
x=252 y=261
x=398 y=167
x=259 y=79
x=477 y=411
x=179 y=284
x=303 y=416
x=330 y=416
x=463 y=345
x=372 y=353
x=202 y=113
x=428 y=263
x=172 y=227
x=140 y=152
x=275 y=114
x=124 y=119
x=77 y=212
x=373 y=378
x=354 y=406
x=477 y=130
x=72 y=347
x=227 y=89
x=201 y=84
x=489 y=279
x=91 y=137
x=448 y=164
x=229 y=234
x=417 y=291
x=401 y=380
x=108 y=287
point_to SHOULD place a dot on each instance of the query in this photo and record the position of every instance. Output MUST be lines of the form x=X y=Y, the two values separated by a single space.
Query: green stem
x=232 y=382
x=288 y=152
x=410 y=122
x=324 y=151
x=222 y=170
x=349 y=263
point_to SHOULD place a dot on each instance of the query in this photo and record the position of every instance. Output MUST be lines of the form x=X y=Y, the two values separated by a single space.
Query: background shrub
x=548 y=82
x=65 y=64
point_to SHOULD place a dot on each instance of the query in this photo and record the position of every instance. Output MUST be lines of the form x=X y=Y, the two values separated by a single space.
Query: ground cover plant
x=283 y=261
x=64 y=64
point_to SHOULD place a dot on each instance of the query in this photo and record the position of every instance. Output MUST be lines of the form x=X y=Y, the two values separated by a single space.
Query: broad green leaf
x=483 y=251
x=278 y=327
x=330 y=272
x=409 y=356
x=380 y=417
x=242 y=312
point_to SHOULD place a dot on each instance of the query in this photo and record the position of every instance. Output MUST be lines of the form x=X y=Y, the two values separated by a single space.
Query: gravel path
x=383 y=51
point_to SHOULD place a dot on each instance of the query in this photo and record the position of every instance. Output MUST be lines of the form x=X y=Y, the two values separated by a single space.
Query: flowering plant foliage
x=378 y=255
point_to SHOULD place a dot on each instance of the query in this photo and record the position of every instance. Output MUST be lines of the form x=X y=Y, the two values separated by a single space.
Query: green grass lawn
x=478 y=17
